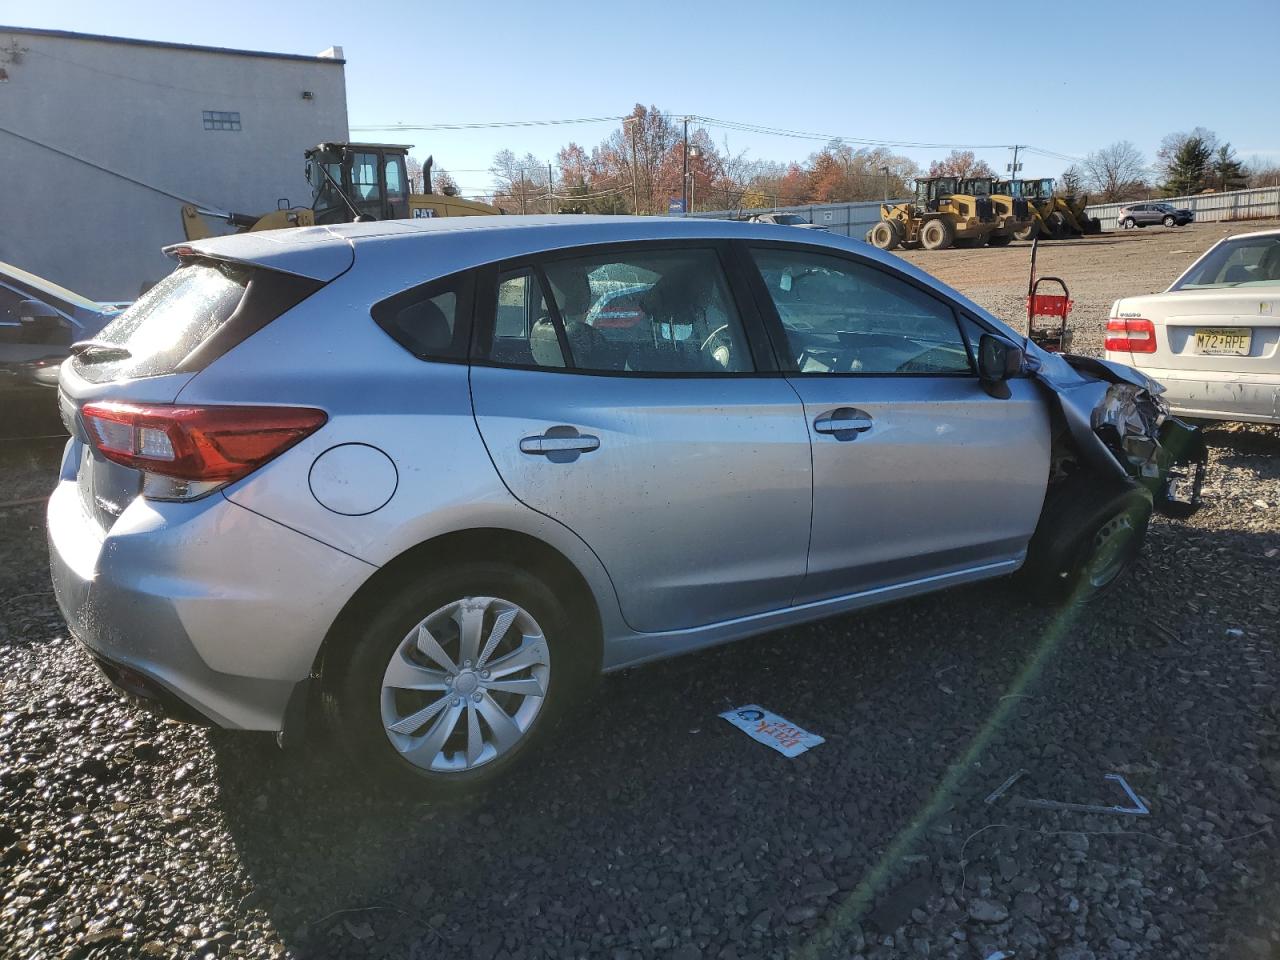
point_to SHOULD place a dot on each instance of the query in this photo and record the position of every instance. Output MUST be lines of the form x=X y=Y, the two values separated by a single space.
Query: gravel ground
x=659 y=830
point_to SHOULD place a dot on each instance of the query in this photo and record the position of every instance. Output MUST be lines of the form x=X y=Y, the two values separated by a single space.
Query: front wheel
x=885 y=235
x=937 y=234
x=456 y=677
x=1170 y=222
x=1089 y=535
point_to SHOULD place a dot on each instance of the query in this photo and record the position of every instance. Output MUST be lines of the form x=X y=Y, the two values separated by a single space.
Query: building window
x=221 y=120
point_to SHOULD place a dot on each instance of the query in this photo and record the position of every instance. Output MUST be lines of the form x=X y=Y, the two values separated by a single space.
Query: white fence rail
x=855 y=219
x=846 y=219
x=1208 y=207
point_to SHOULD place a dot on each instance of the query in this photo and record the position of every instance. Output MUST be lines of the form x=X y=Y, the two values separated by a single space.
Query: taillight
x=202 y=447
x=1131 y=336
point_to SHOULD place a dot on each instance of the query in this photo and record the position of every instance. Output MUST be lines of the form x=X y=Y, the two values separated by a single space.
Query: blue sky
x=850 y=68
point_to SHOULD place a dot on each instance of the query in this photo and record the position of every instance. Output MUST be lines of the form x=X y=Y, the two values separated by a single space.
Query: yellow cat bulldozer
x=1013 y=212
x=940 y=215
x=1053 y=217
x=349 y=182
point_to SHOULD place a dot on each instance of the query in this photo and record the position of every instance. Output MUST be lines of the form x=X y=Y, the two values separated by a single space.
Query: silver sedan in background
x=427 y=478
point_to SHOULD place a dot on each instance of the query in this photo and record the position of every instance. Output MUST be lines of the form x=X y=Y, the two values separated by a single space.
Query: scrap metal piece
x=1137 y=809
x=998 y=792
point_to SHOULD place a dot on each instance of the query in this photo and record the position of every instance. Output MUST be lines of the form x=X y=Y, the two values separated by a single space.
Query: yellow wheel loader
x=937 y=217
x=349 y=182
x=1054 y=217
x=1013 y=212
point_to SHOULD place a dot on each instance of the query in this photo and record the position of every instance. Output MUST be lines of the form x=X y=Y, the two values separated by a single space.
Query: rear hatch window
x=158 y=332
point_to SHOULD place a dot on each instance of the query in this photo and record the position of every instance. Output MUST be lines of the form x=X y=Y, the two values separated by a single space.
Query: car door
x=918 y=473
x=661 y=441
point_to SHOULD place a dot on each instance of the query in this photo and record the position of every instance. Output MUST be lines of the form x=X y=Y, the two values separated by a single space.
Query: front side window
x=845 y=317
x=643 y=312
x=364 y=176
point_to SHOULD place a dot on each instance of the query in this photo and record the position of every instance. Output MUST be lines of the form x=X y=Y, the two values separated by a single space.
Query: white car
x=1212 y=338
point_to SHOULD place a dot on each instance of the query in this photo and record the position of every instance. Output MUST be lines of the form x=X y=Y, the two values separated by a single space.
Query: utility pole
x=549 y=184
x=684 y=182
x=1013 y=167
x=886 y=183
x=635 y=159
x=522 y=206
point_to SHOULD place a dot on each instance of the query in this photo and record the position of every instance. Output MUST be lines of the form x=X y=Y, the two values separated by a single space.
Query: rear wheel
x=885 y=235
x=1128 y=223
x=1088 y=537
x=455 y=678
x=937 y=234
x=1029 y=232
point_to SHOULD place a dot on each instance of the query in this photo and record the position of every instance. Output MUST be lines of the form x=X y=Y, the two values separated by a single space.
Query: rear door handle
x=843 y=423
x=560 y=444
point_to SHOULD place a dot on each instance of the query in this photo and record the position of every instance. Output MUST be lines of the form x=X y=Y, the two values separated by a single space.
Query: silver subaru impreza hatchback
x=423 y=480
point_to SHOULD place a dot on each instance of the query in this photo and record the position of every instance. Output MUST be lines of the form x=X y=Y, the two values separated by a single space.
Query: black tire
x=1028 y=233
x=353 y=679
x=1056 y=226
x=937 y=234
x=1128 y=223
x=1089 y=535
x=885 y=235
x=1000 y=240
x=1170 y=221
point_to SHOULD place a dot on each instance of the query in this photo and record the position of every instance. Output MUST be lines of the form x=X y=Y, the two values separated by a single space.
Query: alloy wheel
x=465 y=685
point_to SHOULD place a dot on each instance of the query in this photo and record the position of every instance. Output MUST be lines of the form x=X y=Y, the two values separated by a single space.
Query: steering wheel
x=718 y=347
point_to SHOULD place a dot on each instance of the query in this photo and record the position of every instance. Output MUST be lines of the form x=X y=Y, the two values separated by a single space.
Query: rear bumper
x=1210 y=395
x=205 y=608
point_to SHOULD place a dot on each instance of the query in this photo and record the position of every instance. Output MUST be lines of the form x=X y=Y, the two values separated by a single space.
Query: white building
x=102 y=139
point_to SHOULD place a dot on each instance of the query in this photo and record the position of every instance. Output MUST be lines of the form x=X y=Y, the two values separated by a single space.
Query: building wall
x=138 y=110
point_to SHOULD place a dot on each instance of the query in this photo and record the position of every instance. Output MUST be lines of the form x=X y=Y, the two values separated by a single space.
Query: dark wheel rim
x=1112 y=551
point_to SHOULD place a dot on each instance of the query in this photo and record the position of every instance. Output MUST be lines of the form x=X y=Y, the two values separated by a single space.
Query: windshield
x=1243 y=261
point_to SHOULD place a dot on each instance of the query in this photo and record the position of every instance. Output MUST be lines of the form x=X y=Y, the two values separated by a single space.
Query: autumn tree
x=445 y=184
x=1116 y=171
x=960 y=163
x=414 y=170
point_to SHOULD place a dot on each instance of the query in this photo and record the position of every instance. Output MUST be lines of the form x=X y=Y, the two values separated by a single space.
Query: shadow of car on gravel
x=651 y=823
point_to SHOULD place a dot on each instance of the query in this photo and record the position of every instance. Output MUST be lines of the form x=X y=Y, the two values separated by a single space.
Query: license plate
x=1231 y=341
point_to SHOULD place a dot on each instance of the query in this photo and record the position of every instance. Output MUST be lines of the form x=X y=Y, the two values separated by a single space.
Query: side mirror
x=998 y=361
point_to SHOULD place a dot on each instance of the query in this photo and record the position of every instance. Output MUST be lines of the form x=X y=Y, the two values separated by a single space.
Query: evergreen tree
x=1191 y=168
x=1227 y=170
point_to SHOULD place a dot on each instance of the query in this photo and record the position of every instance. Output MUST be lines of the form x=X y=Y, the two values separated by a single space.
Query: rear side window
x=168 y=323
x=431 y=321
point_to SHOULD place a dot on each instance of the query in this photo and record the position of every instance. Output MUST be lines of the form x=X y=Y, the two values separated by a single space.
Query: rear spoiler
x=315 y=253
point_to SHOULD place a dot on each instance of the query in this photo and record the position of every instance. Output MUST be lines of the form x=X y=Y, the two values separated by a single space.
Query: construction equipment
x=939 y=216
x=1054 y=336
x=1054 y=217
x=349 y=182
x=1013 y=213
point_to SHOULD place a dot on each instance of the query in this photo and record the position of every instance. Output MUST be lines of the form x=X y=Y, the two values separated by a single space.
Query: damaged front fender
x=1120 y=427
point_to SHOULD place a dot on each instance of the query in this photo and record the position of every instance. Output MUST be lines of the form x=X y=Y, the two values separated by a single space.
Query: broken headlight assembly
x=1157 y=449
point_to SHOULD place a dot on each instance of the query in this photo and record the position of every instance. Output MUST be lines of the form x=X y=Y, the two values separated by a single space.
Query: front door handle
x=843 y=423
x=560 y=444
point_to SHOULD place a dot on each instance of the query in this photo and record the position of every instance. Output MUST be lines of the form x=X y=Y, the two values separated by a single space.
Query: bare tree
x=414 y=169
x=1072 y=181
x=1116 y=171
